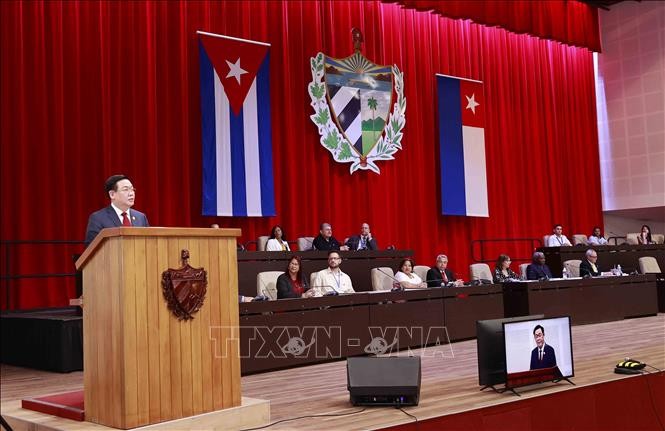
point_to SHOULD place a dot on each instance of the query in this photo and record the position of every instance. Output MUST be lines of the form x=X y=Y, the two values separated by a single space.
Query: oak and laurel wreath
x=340 y=147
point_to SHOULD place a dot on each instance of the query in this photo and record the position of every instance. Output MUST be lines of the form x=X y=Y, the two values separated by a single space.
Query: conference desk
x=608 y=256
x=357 y=264
x=590 y=300
x=292 y=332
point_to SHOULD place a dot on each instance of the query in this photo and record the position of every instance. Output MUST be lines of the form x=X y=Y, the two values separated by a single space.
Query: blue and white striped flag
x=236 y=132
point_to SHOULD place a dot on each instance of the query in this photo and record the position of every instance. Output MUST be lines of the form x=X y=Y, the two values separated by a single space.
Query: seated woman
x=407 y=278
x=645 y=236
x=291 y=284
x=596 y=238
x=502 y=271
x=277 y=241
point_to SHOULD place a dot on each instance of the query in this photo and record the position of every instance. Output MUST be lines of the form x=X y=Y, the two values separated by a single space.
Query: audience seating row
x=631 y=239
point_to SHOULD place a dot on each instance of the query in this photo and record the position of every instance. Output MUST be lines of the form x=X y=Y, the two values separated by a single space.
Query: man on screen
x=543 y=355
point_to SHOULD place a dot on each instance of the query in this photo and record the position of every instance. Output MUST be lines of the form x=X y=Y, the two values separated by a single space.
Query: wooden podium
x=142 y=365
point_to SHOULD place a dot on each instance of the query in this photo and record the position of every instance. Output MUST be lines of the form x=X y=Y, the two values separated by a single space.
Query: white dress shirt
x=557 y=241
x=328 y=281
x=274 y=245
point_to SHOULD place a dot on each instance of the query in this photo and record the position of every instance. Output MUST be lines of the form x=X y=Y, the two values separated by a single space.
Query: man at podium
x=122 y=193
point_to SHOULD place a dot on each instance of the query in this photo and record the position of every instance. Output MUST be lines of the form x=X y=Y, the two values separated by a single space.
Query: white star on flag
x=472 y=102
x=235 y=70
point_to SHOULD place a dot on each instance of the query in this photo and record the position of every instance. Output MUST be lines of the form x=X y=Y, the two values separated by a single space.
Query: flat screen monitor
x=537 y=350
x=491 y=356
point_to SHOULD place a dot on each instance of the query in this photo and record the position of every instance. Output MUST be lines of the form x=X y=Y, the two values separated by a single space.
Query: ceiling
x=603 y=4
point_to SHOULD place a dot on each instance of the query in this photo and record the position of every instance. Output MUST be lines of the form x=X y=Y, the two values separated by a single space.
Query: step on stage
x=450 y=397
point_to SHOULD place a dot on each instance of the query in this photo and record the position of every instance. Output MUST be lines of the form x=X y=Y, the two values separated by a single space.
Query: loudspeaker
x=383 y=381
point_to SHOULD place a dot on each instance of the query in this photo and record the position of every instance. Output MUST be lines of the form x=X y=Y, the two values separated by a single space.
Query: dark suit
x=320 y=243
x=434 y=277
x=537 y=271
x=285 y=288
x=548 y=361
x=353 y=242
x=586 y=269
x=107 y=217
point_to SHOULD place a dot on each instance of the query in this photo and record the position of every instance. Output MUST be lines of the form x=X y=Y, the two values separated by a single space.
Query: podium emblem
x=184 y=288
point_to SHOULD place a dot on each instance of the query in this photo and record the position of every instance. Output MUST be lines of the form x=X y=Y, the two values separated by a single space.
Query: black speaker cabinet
x=383 y=381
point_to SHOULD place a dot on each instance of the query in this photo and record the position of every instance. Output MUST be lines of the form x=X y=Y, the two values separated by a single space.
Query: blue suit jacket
x=107 y=217
x=536 y=272
x=549 y=358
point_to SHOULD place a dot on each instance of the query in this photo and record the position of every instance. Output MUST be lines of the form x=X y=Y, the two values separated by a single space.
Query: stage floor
x=449 y=379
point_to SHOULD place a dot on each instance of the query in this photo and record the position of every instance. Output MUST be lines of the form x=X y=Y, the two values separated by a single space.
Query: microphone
x=397 y=286
x=332 y=292
x=264 y=296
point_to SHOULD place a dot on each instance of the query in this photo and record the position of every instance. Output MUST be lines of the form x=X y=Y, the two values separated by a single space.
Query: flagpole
x=205 y=33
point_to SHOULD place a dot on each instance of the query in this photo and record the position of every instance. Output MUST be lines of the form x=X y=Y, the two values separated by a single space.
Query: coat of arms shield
x=352 y=100
x=184 y=288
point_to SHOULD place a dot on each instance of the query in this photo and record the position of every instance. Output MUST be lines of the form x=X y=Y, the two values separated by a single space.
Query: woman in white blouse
x=407 y=278
x=277 y=241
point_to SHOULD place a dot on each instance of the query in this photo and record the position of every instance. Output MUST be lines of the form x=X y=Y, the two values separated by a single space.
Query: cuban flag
x=236 y=132
x=462 y=146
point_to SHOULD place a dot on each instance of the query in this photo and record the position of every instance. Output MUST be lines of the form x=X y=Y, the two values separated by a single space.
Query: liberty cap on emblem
x=185 y=288
x=351 y=98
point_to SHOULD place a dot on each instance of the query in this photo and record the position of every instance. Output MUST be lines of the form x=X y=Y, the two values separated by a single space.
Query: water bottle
x=619 y=272
x=565 y=272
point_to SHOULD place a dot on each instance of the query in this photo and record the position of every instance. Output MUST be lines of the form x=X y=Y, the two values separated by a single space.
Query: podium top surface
x=152 y=232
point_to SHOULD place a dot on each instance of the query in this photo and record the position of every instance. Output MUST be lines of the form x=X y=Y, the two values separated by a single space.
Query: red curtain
x=94 y=88
x=567 y=21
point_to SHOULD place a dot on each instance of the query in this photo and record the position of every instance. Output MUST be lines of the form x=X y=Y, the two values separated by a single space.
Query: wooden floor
x=449 y=379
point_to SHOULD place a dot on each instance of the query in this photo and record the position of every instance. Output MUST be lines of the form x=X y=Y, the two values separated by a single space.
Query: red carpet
x=634 y=403
x=67 y=405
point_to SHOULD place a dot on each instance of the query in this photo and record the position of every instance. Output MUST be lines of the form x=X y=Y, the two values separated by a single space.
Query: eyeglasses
x=127 y=189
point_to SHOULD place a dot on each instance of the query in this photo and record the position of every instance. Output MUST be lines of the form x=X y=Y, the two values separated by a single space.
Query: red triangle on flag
x=236 y=62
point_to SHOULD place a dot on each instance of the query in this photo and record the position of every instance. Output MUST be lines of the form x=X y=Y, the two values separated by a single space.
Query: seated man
x=558 y=239
x=538 y=269
x=325 y=240
x=364 y=241
x=439 y=275
x=331 y=279
x=596 y=238
x=588 y=266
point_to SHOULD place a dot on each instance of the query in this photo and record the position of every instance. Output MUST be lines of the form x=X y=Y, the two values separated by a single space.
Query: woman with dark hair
x=291 y=284
x=407 y=278
x=277 y=241
x=645 y=236
x=502 y=271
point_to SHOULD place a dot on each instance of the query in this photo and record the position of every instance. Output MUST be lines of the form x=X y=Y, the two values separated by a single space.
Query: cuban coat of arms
x=352 y=99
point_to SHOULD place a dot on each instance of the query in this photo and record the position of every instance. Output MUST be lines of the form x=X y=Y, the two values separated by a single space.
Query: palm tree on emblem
x=372 y=105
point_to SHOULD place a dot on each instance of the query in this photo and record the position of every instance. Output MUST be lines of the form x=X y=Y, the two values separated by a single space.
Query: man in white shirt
x=331 y=279
x=596 y=238
x=558 y=239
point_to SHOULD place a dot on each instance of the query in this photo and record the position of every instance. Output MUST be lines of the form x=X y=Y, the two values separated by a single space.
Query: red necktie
x=443 y=277
x=125 y=220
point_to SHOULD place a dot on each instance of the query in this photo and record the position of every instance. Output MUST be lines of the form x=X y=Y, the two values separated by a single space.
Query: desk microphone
x=332 y=292
x=397 y=286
